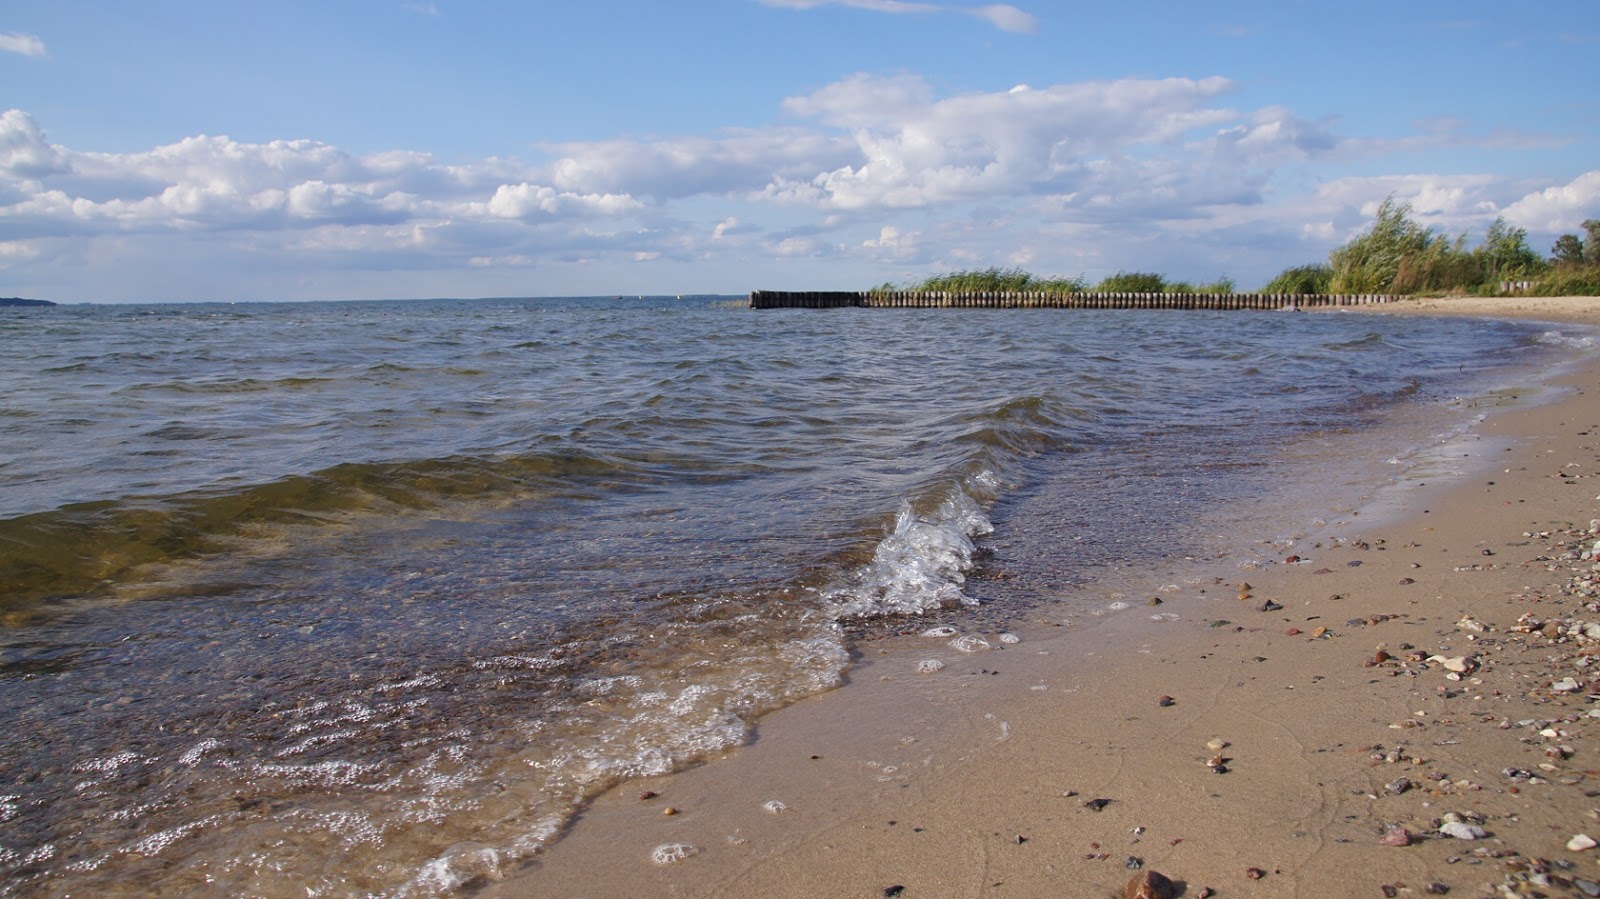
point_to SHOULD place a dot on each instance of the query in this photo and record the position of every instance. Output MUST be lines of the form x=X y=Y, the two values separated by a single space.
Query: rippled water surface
x=367 y=598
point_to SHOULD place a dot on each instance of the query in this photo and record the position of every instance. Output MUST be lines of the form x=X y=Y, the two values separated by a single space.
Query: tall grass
x=992 y=280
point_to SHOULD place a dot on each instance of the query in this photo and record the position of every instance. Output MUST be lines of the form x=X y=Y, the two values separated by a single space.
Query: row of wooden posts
x=941 y=299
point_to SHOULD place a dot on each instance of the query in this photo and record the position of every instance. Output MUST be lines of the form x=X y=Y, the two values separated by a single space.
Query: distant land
x=19 y=301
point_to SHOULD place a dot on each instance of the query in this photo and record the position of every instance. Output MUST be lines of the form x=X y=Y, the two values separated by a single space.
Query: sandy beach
x=1400 y=706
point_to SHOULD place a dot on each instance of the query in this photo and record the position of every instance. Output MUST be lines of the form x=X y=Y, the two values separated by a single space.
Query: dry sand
x=1323 y=682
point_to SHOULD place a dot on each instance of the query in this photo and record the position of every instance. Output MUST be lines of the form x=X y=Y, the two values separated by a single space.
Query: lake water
x=347 y=599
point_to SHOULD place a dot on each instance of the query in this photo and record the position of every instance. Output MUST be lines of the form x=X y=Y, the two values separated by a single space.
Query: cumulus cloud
x=24 y=44
x=874 y=170
x=917 y=150
x=24 y=152
x=1559 y=208
x=521 y=201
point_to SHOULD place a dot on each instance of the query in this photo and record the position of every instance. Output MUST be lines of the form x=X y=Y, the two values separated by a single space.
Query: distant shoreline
x=19 y=301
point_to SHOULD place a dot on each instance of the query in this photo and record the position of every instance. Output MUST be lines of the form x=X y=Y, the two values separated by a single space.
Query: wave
x=87 y=549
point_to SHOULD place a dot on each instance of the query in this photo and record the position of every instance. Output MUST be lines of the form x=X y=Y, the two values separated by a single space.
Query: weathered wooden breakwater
x=940 y=299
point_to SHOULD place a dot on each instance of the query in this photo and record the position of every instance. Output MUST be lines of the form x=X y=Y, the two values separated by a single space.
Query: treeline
x=1004 y=280
x=1397 y=256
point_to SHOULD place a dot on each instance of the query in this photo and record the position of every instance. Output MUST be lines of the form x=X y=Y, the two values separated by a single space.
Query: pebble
x=1580 y=842
x=1165 y=701
x=1216 y=744
x=1461 y=830
x=1395 y=836
x=1458 y=664
x=1149 y=885
x=929 y=666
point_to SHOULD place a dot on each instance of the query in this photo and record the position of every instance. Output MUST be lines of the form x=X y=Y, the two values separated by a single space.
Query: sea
x=347 y=599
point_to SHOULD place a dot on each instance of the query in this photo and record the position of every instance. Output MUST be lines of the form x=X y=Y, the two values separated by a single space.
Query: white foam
x=970 y=643
x=672 y=853
x=192 y=756
x=921 y=565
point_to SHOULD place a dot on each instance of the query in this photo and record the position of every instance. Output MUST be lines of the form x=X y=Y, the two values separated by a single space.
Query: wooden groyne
x=940 y=299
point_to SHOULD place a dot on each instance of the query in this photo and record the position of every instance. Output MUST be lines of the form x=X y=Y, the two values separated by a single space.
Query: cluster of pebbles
x=1544 y=662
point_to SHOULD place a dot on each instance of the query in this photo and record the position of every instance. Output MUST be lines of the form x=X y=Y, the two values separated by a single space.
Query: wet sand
x=1401 y=709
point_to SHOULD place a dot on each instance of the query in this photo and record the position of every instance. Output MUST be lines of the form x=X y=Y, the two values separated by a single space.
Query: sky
x=365 y=149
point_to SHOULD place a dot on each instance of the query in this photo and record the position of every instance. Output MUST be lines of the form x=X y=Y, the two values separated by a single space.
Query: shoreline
x=986 y=777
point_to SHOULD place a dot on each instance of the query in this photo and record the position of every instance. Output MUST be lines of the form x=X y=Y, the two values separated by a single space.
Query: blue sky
x=381 y=148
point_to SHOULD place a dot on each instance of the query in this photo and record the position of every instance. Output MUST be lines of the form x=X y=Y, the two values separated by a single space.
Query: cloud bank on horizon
x=818 y=169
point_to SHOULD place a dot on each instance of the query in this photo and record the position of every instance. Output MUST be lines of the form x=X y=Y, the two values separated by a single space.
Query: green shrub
x=1302 y=280
x=1132 y=282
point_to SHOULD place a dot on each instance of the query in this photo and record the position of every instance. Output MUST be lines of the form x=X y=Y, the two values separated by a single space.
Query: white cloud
x=1006 y=17
x=1559 y=208
x=521 y=201
x=25 y=44
x=879 y=174
x=24 y=152
x=916 y=150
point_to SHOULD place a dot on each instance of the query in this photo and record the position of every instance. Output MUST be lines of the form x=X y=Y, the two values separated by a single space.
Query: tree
x=1591 y=241
x=1396 y=256
x=1506 y=255
x=1567 y=251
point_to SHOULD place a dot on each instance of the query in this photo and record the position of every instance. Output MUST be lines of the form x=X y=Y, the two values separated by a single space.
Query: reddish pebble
x=1395 y=836
x=1294 y=632
x=1254 y=873
x=649 y=794
x=1165 y=701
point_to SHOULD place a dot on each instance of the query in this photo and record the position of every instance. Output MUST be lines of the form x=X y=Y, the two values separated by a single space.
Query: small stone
x=1270 y=606
x=1587 y=887
x=1165 y=701
x=1155 y=600
x=1216 y=744
x=1461 y=830
x=669 y=811
x=1095 y=805
x=892 y=892
x=1149 y=885
x=1399 y=786
x=1381 y=657
x=1458 y=664
x=1320 y=632
x=1407 y=580
x=1293 y=632
x=1436 y=889
x=1395 y=836
x=1254 y=873
x=1580 y=842
x=1390 y=890
x=1566 y=685
x=649 y=794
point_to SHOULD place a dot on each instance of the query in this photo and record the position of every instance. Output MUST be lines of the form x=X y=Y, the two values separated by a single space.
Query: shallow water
x=367 y=598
